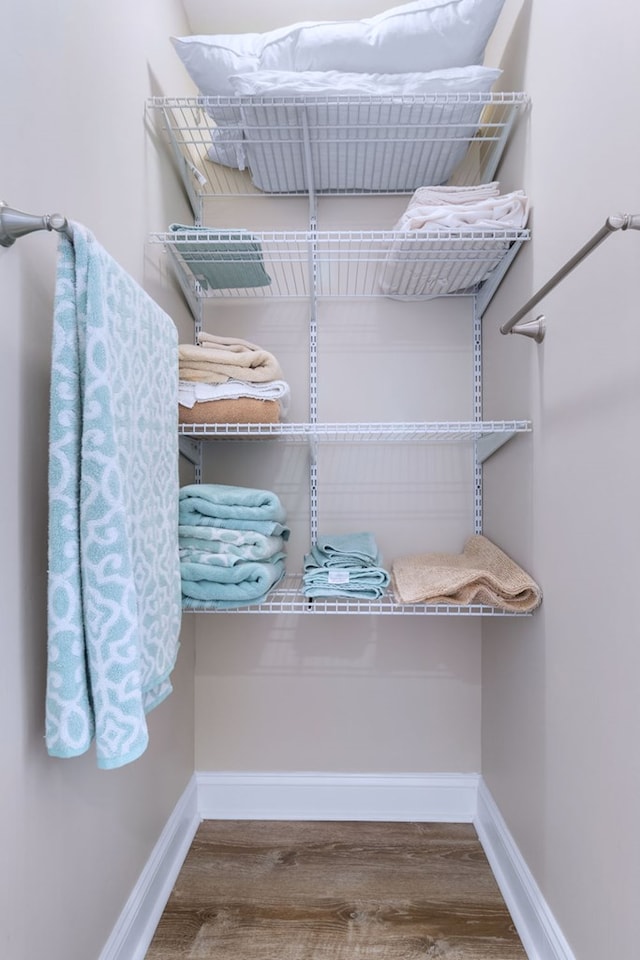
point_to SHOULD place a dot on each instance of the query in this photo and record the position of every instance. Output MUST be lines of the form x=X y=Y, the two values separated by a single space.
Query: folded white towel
x=454 y=194
x=191 y=392
x=434 y=210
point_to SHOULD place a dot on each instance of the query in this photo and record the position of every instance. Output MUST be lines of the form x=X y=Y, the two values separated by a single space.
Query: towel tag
x=338 y=576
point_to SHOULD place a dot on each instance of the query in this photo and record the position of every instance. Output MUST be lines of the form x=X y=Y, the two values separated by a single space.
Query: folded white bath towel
x=191 y=392
x=435 y=211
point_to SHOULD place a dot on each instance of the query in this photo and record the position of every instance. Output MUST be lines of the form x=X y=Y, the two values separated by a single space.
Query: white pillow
x=333 y=82
x=421 y=36
x=210 y=60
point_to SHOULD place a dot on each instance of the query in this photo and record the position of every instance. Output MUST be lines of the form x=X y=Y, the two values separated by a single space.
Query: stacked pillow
x=422 y=36
x=424 y=47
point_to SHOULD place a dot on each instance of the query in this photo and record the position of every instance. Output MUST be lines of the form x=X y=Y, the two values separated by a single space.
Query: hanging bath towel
x=114 y=604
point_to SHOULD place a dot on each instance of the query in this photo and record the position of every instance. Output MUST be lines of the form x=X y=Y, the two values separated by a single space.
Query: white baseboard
x=540 y=934
x=443 y=797
x=132 y=934
x=439 y=797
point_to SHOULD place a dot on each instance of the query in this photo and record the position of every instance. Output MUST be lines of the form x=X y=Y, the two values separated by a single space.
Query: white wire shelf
x=437 y=431
x=411 y=265
x=336 y=145
x=288 y=597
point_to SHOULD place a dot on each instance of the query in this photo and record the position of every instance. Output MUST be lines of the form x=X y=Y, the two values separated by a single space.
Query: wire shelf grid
x=336 y=144
x=288 y=597
x=403 y=265
x=436 y=431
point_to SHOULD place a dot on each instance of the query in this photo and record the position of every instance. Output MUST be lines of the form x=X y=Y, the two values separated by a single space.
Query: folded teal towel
x=362 y=582
x=114 y=603
x=221 y=587
x=221 y=501
x=349 y=549
x=226 y=259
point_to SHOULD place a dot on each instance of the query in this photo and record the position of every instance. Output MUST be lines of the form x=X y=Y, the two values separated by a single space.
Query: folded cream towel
x=482 y=574
x=216 y=359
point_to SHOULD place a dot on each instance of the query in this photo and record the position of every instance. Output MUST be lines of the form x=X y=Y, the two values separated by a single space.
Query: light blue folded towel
x=225 y=259
x=342 y=550
x=218 y=501
x=222 y=587
x=361 y=582
x=114 y=602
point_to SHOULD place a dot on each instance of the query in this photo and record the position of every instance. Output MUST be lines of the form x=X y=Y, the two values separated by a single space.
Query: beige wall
x=561 y=710
x=74 y=79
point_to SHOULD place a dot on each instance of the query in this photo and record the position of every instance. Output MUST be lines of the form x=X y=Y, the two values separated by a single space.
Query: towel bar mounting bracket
x=15 y=223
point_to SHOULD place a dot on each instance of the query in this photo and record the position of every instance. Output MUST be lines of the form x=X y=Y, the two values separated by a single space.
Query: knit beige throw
x=482 y=574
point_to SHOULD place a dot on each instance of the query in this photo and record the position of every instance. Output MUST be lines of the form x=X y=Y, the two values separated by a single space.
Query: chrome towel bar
x=14 y=224
x=536 y=328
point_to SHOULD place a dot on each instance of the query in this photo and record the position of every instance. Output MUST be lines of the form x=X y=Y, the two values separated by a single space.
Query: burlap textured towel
x=482 y=573
x=242 y=410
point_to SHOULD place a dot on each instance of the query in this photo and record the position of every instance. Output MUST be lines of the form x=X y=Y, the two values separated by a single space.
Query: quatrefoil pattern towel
x=114 y=604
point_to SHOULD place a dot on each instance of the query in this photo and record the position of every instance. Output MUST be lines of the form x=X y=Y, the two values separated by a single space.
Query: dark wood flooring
x=255 y=890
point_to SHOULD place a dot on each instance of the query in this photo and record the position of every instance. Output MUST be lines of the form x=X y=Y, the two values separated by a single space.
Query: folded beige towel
x=240 y=410
x=216 y=359
x=482 y=573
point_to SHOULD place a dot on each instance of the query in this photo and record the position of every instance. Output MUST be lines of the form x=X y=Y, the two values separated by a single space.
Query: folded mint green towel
x=221 y=587
x=342 y=550
x=362 y=582
x=199 y=502
x=225 y=259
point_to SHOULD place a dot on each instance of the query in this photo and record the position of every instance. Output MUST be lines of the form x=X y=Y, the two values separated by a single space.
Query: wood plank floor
x=256 y=890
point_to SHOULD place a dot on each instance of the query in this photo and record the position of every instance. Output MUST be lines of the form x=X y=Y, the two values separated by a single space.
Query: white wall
x=561 y=710
x=74 y=78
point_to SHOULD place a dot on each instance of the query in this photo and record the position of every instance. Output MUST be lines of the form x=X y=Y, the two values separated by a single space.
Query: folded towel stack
x=345 y=565
x=481 y=574
x=229 y=380
x=415 y=269
x=232 y=545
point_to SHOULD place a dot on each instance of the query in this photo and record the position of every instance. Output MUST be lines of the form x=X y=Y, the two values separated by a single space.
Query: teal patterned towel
x=221 y=259
x=114 y=604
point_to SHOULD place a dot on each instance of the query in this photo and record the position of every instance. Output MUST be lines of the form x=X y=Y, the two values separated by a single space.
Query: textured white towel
x=192 y=392
x=429 y=210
